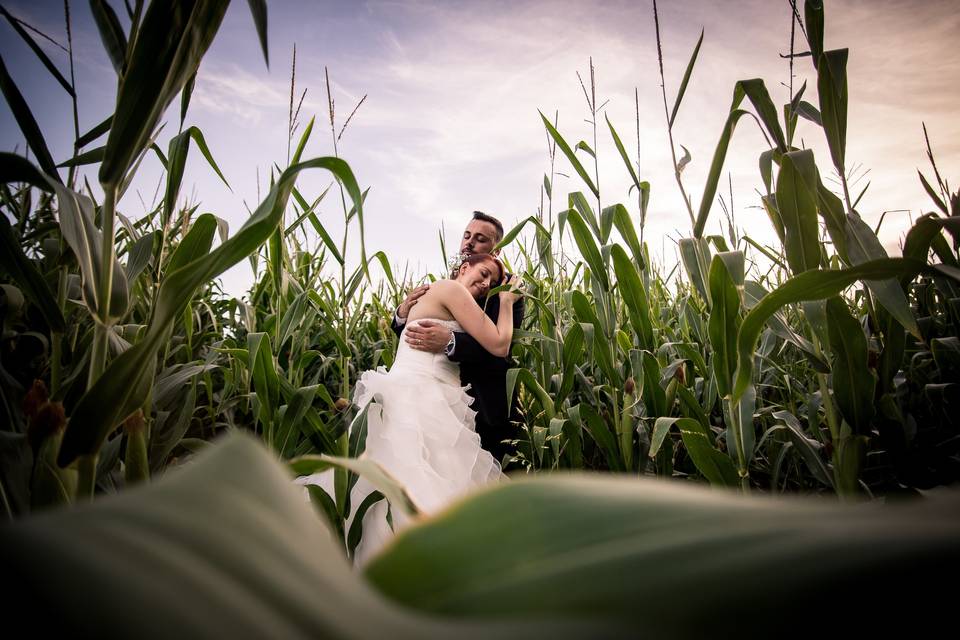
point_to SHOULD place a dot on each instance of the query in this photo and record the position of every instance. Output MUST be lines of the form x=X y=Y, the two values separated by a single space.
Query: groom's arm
x=399 y=321
x=466 y=349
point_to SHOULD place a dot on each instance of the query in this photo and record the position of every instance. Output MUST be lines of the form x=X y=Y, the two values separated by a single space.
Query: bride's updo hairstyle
x=477 y=258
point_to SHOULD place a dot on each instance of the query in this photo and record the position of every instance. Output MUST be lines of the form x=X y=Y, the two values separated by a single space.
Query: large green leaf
x=813 y=14
x=52 y=68
x=726 y=276
x=631 y=551
x=226 y=546
x=176 y=162
x=862 y=246
x=634 y=295
x=623 y=223
x=853 y=381
x=695 y=255
x=686 y=79
x=588 y=248
x=810 y=285
x=170 y=42
x=28 y=278
x=27 y=123
x=797 y=204
x=756 y=91
x=586 y=418
x=832 y=86
x=258 y=9
x=124 y=385
x=571 y=156
x=85 y=239
x=111 y=33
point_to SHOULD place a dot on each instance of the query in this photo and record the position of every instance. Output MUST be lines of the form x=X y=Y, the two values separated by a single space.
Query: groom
x=485 y=374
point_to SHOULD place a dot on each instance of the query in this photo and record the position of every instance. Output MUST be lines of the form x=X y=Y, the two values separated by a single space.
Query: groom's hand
x=427 y=335
x=412 y=298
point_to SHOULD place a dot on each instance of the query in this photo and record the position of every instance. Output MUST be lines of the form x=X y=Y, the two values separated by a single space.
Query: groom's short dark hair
x=480 y=215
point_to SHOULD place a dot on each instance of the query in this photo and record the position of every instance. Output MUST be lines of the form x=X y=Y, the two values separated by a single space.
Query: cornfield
x=151 y=423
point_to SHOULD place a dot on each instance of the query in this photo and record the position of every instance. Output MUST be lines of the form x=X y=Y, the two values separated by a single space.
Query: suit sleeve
x=468 y=350
x=397 y=326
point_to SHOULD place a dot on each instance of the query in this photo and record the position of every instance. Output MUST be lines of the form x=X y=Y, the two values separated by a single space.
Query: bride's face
x=477 y=277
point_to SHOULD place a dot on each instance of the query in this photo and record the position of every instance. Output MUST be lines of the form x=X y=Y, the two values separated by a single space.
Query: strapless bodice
x=410 y=361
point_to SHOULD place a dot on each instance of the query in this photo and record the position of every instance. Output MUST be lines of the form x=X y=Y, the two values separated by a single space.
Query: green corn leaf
x=923 y=234
x=28 y=278
x=725 y=316
x=195 y=244
x=813 y=16
x=766 y=169
x=853 y=382
x=810 y=285
x=525 y=377
x=81 y=233
x=623 y=223
x=808 y=448
x=634 y=295
x=716 y=467
x=831 y=210
x=588 y=248
x=937 y=200
x=177 y=160
x=832 y=86
x=38 y=52
x=303 y=141
x=573 y=344
x=124 y=385
x=797 y=205
x=111 y=33
x=94 y=133
x=140 y=253
x=810 y=112
x=577 y=201
x=515 y=231
x=587 y=419
x=571 y=156
x=14 y=168
x=654 y=396
x=88 y=157
x=27 y=123
x=185 y=94
x=263 y=376
x=170 y=43
x=686 y=79
x=638 y=544
x=695 y=255
x=716 y=165
x=623 y=152
x=863 y=246
x=258 y=9
x=164 y=437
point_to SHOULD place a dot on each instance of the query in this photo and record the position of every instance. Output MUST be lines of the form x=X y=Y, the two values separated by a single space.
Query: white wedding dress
x=421 y=431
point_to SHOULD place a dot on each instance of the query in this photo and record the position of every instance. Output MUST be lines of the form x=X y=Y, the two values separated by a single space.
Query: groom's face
x=480 y=236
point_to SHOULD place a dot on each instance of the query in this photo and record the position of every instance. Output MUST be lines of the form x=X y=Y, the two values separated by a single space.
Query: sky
x=450 y=121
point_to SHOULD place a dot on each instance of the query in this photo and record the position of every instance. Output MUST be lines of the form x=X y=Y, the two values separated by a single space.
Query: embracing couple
x=441 y=417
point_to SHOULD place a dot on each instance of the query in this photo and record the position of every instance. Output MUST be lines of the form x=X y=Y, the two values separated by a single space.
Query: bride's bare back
x=450 y=300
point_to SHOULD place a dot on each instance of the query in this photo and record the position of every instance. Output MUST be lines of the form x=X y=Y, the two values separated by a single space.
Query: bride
x=424 y=433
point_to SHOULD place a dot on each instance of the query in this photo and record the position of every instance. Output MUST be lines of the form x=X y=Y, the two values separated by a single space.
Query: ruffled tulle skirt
x=420 y=429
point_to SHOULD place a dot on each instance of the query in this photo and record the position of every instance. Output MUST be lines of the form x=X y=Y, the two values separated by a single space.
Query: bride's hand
x=511 y=295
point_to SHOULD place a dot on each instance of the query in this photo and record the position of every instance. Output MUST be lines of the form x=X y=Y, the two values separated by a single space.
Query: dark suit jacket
x=487 y=376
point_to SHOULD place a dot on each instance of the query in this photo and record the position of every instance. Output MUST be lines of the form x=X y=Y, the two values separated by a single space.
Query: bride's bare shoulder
x=446 y=287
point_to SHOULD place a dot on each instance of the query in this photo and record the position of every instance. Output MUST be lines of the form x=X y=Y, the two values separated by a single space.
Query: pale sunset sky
x=450 y=121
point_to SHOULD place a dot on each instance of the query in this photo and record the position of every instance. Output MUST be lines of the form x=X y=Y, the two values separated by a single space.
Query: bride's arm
x=495 y=338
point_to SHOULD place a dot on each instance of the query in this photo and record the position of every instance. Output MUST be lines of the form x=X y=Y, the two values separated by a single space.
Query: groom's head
x=481 y=235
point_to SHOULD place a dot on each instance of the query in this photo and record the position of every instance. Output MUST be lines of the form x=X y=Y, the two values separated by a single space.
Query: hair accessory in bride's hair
x=455 y=261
